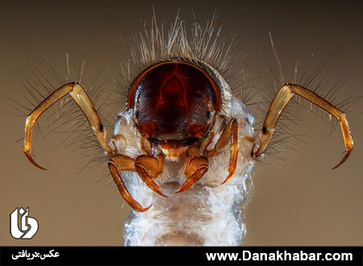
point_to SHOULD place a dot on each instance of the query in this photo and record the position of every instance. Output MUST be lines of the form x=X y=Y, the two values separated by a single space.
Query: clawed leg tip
x=228 y=178
x=143 y=209
x=339 y=164
x=184 y=187
x=161 y=194
x=30 y=158
x=342 y=161
x=181 y=189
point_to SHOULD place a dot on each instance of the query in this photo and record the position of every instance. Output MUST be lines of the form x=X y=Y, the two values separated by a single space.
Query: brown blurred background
x=299 y=201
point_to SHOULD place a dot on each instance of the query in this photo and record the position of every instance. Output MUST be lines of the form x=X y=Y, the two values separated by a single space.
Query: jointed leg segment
x=149 y=167
x=83 y=101
x=230 y=133
x=279 y=103
x=146 y=166
x=124 y=163
x=195 y=168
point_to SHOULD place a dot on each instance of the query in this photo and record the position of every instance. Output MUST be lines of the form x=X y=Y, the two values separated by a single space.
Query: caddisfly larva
x=183 y=146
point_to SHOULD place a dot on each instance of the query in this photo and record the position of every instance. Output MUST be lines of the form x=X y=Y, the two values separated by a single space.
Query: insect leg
x=149 y=167
x=80 y=96
x=195 y=168
x=230 y=132
x=124 y=163
x=278 y=105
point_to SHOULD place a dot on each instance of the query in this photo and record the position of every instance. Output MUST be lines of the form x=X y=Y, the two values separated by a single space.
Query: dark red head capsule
x=174 y=103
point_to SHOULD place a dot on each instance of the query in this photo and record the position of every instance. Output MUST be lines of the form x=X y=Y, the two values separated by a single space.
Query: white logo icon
x=28 y=225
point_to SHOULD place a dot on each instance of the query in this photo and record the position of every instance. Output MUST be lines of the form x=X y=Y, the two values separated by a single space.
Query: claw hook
x=30 y=158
